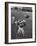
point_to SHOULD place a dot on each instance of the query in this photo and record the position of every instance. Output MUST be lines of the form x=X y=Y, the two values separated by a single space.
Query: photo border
x=6 y=21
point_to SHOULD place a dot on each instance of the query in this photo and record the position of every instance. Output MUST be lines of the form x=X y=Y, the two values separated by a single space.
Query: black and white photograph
x=20 y=22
